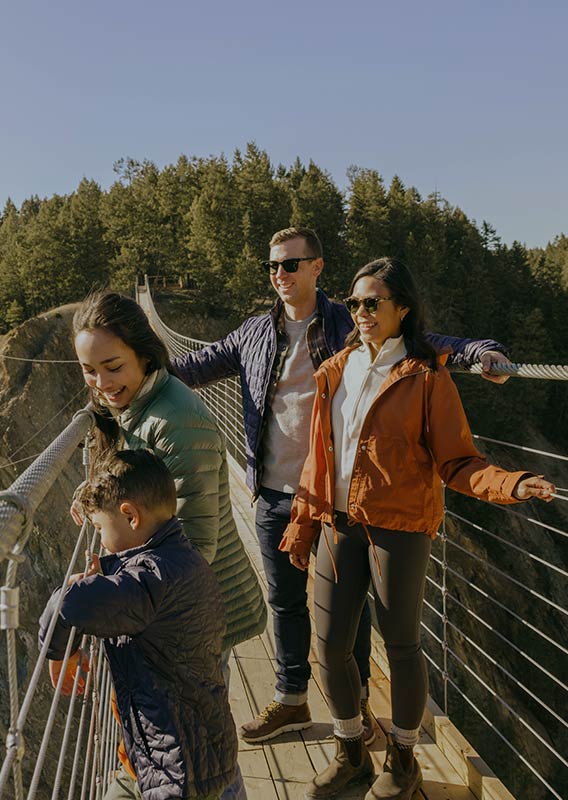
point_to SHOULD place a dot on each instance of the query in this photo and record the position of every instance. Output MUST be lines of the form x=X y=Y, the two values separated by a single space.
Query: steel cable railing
x=547 y=372
x=454 y=633
x=463 y=572
x=552 y=715
x=17 y=507
x=223 y=398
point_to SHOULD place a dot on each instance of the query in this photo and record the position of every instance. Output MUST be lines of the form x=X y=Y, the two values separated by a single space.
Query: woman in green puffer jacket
x=140 y=404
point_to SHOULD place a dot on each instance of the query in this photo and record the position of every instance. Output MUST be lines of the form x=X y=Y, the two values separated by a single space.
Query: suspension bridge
x=494 y=631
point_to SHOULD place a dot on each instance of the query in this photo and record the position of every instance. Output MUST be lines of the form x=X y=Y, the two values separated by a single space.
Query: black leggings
x=403 y=557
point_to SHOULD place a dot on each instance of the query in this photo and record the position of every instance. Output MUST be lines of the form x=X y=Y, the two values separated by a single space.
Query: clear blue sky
x=470 y=98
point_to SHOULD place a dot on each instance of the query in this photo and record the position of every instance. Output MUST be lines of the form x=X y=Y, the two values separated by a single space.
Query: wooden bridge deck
x=279 y=769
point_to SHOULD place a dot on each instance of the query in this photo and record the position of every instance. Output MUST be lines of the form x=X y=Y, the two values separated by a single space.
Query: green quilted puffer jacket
x=173 y=422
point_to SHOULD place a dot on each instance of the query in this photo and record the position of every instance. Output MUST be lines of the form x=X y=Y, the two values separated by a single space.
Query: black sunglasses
x=370 y=304
x=289 y=264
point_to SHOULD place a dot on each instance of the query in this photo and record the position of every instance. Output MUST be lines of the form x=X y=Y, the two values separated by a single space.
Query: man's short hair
x=135 y=475
x=313 y=243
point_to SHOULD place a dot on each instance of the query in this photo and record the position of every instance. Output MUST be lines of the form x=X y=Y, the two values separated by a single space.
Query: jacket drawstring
x=350 y=523
x=380 y=574
x=335 y=541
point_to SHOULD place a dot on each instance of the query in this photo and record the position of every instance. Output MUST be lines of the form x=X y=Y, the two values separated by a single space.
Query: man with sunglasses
x=275 y=355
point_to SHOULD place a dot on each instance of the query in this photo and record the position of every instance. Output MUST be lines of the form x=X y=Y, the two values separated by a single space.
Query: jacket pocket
x=396 y=479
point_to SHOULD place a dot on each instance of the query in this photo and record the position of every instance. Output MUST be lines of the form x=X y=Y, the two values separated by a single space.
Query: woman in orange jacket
x=387 y=427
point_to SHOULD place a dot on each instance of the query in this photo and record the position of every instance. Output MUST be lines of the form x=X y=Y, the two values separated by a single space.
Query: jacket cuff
x=298 y=539
x=509 y=485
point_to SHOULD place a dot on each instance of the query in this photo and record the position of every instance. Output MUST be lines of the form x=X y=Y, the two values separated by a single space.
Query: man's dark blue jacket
x=159 y=610
x=250 y=350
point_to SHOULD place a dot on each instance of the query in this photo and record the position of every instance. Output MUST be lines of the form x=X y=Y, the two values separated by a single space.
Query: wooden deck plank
x=258 y=681
x=288 y=759
x=253 y=764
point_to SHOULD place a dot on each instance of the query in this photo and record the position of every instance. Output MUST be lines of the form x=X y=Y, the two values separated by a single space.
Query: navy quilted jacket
x=160 y=613
x=249 y=352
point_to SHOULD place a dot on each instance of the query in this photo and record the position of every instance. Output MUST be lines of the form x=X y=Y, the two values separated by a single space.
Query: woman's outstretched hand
x=300 y=562
x=535 y=486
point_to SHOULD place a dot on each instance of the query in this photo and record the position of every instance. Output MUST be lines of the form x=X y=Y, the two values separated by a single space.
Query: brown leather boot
x=401 y=775
x=352 y=764
x=275 y=719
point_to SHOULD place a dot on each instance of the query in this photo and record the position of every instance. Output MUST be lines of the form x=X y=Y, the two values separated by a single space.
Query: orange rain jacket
x=414 y=434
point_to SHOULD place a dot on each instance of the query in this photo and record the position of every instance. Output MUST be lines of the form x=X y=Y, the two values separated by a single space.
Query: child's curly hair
x=136 y=475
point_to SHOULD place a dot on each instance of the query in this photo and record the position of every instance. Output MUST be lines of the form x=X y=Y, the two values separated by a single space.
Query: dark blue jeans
x=287 y=596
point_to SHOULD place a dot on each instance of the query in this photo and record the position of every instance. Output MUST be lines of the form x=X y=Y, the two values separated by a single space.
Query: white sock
x=404 y=737
x=348 y=728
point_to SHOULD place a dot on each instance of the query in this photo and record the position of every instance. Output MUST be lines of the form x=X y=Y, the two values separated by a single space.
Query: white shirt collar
x=392 y=351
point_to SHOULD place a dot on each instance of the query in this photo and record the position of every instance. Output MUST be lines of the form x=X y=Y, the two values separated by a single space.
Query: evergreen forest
x=209 y=221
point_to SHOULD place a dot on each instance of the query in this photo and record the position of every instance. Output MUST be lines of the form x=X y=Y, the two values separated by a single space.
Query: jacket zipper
x=140 y=728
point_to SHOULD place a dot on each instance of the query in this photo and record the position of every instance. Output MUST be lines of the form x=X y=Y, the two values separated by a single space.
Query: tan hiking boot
x=369 y=725
x=275 y=719
x=352 y=764
x=401 y=775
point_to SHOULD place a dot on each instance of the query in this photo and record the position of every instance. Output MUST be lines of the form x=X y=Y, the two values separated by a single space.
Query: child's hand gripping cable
x=77 y=660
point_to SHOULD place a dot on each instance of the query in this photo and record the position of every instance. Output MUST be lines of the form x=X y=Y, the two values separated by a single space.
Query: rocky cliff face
x=37 y=400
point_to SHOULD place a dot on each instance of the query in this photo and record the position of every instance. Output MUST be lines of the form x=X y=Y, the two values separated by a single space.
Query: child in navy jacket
x=156 y=603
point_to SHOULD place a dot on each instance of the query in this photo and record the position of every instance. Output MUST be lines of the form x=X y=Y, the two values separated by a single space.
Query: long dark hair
x=398 y=278
x=123 y=317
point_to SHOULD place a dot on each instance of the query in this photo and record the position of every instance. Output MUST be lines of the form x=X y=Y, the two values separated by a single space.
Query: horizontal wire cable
x=496 y=730
x=432 y=634
x=509 y=675
x=20 y=461
x=434 y=665
x=500 y=605
x=510 y=578
x=507 y=543
x=490 y=628
x=520 y=447
x=40 y=360
x=49 y=421
x=509 y=510
x=516 y=616
x=509 y=708
x=507 y=641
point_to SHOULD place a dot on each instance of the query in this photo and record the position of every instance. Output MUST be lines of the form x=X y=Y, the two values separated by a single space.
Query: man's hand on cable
x=489 y=358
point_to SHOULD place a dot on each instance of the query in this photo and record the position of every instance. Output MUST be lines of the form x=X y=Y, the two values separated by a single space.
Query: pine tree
x=136 y=227
x=317 y=203
x=260 y=197
x=11 y=289
x=367 y=218
x=216 y=238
